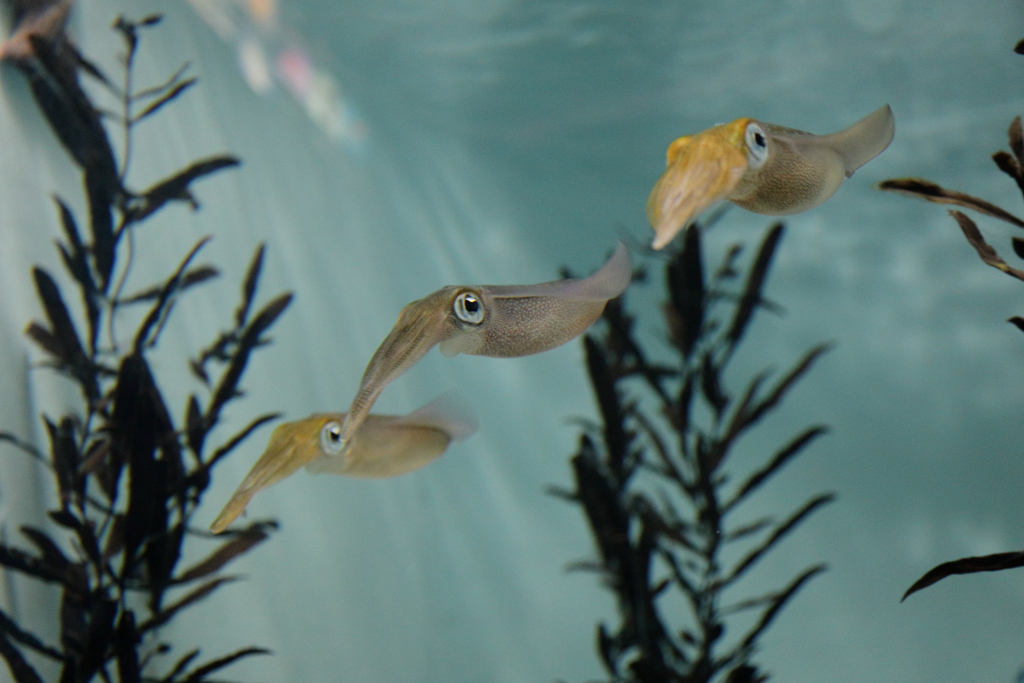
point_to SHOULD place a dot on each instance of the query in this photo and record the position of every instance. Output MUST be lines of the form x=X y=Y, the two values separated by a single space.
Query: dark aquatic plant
x=1012 y=164
x=654 y=483
x=128 y=479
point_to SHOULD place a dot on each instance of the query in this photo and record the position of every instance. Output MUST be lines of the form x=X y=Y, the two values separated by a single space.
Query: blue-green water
x=504 y=140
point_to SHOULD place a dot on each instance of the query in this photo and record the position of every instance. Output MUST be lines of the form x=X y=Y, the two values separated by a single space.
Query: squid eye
x=757 y=145
x=330 y=438
x=468 y=309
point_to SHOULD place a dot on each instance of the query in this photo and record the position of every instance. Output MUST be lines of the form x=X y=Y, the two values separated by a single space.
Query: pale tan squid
x=383 y=446
x=760 y=167
x=498 y=321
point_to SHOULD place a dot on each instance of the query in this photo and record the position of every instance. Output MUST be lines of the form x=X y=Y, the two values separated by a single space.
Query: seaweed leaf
x=64 y=518
x=45 y=339
x=167 y=613
x=19 y=667
x=162 y=306
x=189 y=278
x=749 y=416
x=221 y=662
x=679 y=576
x=77 y=124
x=751 y=296
x=73 y=621
x=671 y=468
x=777 y=535
x=25 y=447
x=967 y=565
x=984 y=249
x=156 y=90
x=65 y=460
x=115 y=537
x=563 y=493
x=1010 y=166
x=101 y=193
x=727 y=268
x=86 y=533
x=252 y=277
x=681 y=414
x=750 y=394
x=600 y=500
x=246 y=539
x=685 y=284
x=168 y=96
x=783 y=456
x=744 y=673
x=127 y=29
x=106 y=462
x=925 y=189
x=195 y=428
x=72 y=356
x=777 y=602
x=162 y=554
x=20 y=561
x=749 y=529
x=140 y=425
x=52 y=554
x=8 y=628
x=1016 y=136
x=621 y=345
x=176 y=188
x=98 y=638
x=710 y=385
x=615 y=438
x=228 y=385
x=90 y=68
x=1018 y=246
x=609 y=650
x=75 y=257
x=238 y=438
x=126 y=640
x=69 y=111
x=180 y=666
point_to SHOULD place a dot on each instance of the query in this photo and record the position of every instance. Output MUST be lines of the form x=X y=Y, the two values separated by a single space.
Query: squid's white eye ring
x=468 y=308
x=330 y=438
x=757 y=145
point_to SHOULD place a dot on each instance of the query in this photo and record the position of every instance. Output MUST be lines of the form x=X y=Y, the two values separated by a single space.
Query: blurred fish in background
x=272 y=54
x=45 y=19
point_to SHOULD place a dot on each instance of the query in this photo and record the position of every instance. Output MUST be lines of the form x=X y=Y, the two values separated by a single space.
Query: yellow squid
x=383 y=446
x=488 y=320
x=760 y=167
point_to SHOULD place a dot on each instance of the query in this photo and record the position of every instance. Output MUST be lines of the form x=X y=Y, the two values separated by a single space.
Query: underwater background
x=495 y=142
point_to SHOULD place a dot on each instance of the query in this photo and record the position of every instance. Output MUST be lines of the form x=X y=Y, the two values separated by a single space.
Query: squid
x=497 y=321
x=383 y=446
x=760 y=167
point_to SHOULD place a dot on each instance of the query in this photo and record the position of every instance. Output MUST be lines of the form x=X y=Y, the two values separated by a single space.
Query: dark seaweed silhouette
x=1012 y=164
x=128 y=480
x=654 y=485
